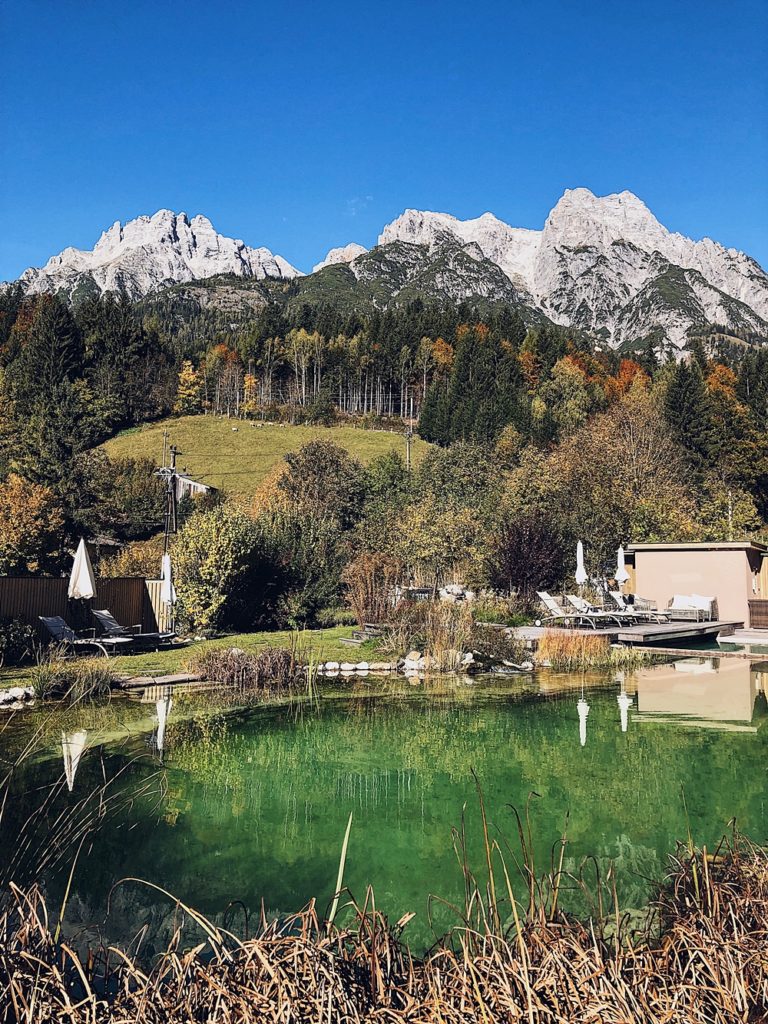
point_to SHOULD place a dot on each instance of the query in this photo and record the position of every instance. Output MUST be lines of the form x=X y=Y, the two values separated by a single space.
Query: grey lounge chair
x=110 y=628
x=640 y=613
x=63 y=634
x=557 y=616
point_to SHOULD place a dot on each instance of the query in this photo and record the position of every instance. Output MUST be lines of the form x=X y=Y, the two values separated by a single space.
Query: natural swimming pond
x=252 y=805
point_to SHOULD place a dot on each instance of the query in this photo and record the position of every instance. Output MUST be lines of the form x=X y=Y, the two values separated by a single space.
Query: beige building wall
x=731 y=575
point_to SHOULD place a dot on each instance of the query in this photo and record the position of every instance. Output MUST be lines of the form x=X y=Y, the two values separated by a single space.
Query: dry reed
x=567 y=650
x=538 y=966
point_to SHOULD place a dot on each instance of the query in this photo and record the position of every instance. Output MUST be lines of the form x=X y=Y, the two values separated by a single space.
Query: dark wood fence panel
x=28 y=597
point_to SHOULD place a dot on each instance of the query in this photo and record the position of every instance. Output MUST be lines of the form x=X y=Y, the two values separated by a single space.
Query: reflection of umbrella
x=581 y=572
x=625 y=703
x=82 y=584
x=583 y=708
x=163 y=710
x=167 y=590
x=72 y=746
x=621 y=572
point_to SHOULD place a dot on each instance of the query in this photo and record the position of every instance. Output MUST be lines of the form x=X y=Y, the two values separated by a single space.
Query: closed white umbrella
x=167 y=589
x=625 y=703
x=82 y=583
x=581 y=572
x=583 y=709
x=72 y=747
x=621 y=570
x=163 y=710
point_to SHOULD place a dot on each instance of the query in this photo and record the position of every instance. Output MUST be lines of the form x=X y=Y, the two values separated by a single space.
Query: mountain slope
x=601 y=264
x=151 y=252
x=593 y=266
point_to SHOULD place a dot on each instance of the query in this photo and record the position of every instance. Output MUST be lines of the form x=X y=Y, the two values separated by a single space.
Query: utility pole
x=170 y=476
x=408 y=438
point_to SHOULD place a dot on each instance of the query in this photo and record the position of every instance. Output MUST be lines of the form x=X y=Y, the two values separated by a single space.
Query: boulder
x=413 y=656
x=347 y=666
x=363 y=666
x=331 y=666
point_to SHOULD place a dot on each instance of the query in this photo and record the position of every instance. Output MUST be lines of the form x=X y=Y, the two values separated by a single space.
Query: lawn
x=236 y=455
x=322 y=644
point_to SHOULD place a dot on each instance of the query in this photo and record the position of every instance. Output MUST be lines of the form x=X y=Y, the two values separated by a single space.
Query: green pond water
x=252 y=805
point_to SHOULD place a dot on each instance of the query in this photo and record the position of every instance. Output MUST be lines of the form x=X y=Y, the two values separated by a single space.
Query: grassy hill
x=237 y=460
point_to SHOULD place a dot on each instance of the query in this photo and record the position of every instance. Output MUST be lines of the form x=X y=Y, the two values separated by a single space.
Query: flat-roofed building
x=734 y=572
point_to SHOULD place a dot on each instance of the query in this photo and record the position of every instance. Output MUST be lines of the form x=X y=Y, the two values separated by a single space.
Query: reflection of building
x=710 y=690
x=734 y=573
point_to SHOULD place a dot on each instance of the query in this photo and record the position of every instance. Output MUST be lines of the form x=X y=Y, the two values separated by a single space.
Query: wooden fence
x=131 y=599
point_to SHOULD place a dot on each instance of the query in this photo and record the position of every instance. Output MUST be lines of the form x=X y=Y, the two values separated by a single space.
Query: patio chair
x=599 y=614
x=639 y=612
x=110 y=628
x=63 y=634
x=558 y=616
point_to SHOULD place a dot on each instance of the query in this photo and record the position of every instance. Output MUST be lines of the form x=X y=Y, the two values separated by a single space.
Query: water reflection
x=72 y=747
x=708 y=691
x=256 y=803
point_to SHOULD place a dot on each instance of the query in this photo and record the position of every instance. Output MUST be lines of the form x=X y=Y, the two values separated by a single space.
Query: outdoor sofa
x=692 y=607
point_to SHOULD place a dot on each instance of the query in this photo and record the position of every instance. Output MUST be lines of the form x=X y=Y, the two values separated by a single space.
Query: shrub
x=494 y=645
x=329 y=617
x=55 y=677
x=17 y=641
x=217 y=555
x=508 y=611
x=438 y=629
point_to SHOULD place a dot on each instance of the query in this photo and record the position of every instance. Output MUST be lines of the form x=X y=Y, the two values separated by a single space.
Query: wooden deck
x=646 y=633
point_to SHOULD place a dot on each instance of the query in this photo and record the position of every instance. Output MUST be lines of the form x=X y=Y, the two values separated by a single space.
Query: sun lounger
x=599 y=614
x=63 y=634
x=110 y=628
x=558 y=616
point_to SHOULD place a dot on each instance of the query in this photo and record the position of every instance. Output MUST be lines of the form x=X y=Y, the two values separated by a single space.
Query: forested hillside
x=546 y=436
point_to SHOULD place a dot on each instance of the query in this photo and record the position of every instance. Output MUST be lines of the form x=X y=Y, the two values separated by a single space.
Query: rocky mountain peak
x=150 y=252
x=344 y=254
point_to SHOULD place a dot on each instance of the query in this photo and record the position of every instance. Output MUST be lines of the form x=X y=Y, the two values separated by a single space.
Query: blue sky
x=302 y=126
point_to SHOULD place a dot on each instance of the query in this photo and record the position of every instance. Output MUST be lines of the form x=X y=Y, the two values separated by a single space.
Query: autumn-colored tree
x=189 y=392
x=31 y=522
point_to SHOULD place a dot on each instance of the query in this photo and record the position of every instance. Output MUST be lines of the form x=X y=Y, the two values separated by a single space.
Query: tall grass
x=74 y=679
x=515 y=960
x=566 y=651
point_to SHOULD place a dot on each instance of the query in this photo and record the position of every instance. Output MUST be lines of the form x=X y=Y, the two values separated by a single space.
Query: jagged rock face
x=607 y=265
x=399 y=272
x=345 y=254
x=151 y=252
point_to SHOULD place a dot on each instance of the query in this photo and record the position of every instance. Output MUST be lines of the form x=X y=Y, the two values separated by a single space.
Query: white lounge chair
x=583 y=607
x=565 y=618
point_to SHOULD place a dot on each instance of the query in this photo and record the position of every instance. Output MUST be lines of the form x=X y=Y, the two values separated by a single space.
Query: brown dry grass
x=710 y=965
x=566 y=650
